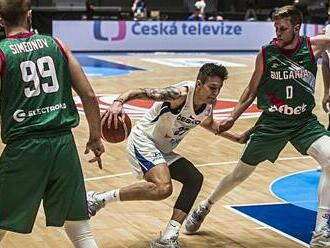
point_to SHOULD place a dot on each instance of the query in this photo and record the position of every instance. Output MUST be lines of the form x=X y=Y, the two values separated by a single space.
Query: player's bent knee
x=320 y=151
x=198 y=178
x=326 y=163
x=192 y=184
x=195 y=182
x=164 y=190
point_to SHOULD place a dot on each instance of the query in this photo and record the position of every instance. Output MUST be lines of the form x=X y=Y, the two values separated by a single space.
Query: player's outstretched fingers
x=98 y=160
x=109 y=120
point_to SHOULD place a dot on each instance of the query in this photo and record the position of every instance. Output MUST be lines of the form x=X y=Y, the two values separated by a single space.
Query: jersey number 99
x=45 y=67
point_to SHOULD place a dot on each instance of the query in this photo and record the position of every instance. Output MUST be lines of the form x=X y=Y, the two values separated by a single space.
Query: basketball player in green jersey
x=40 y=160
x=283 y=82
x=326 y=82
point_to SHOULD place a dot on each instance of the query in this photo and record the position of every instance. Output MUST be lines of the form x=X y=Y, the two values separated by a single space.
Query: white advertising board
x=167 y=35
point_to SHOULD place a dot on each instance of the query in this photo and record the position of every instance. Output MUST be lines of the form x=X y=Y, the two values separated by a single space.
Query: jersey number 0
x=289 y=92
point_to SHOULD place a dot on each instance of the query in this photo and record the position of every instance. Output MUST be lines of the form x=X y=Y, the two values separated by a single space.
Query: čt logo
x=120 y=35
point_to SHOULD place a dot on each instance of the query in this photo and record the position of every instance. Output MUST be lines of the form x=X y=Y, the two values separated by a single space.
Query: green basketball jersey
x=286 y=90
x=36 y=96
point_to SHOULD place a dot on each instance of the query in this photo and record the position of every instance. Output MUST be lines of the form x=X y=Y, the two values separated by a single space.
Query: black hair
x=211 y=70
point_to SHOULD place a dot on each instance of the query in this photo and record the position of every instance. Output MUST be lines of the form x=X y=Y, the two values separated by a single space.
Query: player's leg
x=241 y=172
x=146 y=162
x=157 y=186
x=320 y=151
x=80 y=234
x=313 y=140
x=260 y=147
x=185 y=172
x=65 y=196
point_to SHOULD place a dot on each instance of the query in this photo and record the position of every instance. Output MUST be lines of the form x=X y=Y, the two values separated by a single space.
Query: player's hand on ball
x=97 y=148
x=119 y=134
x=116 y=109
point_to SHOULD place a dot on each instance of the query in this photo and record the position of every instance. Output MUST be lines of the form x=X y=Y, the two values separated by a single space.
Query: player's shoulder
x=184 y=87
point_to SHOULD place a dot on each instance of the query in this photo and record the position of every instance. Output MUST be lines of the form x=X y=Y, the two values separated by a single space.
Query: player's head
x=210 y=80
x=15 y=13
x=287 y=22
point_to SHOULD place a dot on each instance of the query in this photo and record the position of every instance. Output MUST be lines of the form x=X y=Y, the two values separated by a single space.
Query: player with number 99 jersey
x=36 y=94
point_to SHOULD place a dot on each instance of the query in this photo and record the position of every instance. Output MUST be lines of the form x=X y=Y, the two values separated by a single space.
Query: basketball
x=113 y=135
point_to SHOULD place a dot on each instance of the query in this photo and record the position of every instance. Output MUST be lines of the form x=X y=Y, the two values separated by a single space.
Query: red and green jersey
x=286 y=90
x=36 y=97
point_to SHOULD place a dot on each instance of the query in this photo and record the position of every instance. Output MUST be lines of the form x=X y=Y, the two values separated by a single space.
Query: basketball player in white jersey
x=177 y=110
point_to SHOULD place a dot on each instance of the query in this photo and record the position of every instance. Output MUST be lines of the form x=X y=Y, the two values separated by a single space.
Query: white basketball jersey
x=165 y=128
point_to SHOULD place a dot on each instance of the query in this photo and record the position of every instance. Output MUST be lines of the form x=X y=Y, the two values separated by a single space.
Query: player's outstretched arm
x=168 y=94
x=83 y=88
x=247 y=97
x=239 y=138
x=326 y=82
x=213 y=126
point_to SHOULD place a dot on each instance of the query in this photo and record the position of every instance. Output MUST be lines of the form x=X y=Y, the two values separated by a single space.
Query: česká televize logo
x=119 y=36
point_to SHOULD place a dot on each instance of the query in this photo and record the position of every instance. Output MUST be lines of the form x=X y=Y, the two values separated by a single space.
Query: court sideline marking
x=198 y=165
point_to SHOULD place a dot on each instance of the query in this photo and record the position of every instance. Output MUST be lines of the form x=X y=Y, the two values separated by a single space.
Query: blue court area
x=300 y=189
x=295 y=217
x=99 y=66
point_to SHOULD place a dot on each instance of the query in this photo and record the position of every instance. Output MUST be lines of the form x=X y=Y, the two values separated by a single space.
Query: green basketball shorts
x=36 y=169
x=268 y=140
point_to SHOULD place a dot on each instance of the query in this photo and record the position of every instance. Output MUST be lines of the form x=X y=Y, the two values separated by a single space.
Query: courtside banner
x=167 y=35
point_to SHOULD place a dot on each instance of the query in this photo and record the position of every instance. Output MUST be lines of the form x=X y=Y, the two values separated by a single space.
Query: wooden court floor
x=134 y=224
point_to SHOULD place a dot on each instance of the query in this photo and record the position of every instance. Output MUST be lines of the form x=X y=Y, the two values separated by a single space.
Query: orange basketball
x=113 y=135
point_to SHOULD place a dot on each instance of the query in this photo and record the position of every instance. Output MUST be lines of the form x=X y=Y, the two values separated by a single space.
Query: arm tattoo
x=164 y=94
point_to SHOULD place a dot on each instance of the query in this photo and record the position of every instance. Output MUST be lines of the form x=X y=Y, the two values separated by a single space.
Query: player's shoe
x=169 y=243
x=93 y=203
x=321 y=238
x=166 y=243
x=196 y=218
